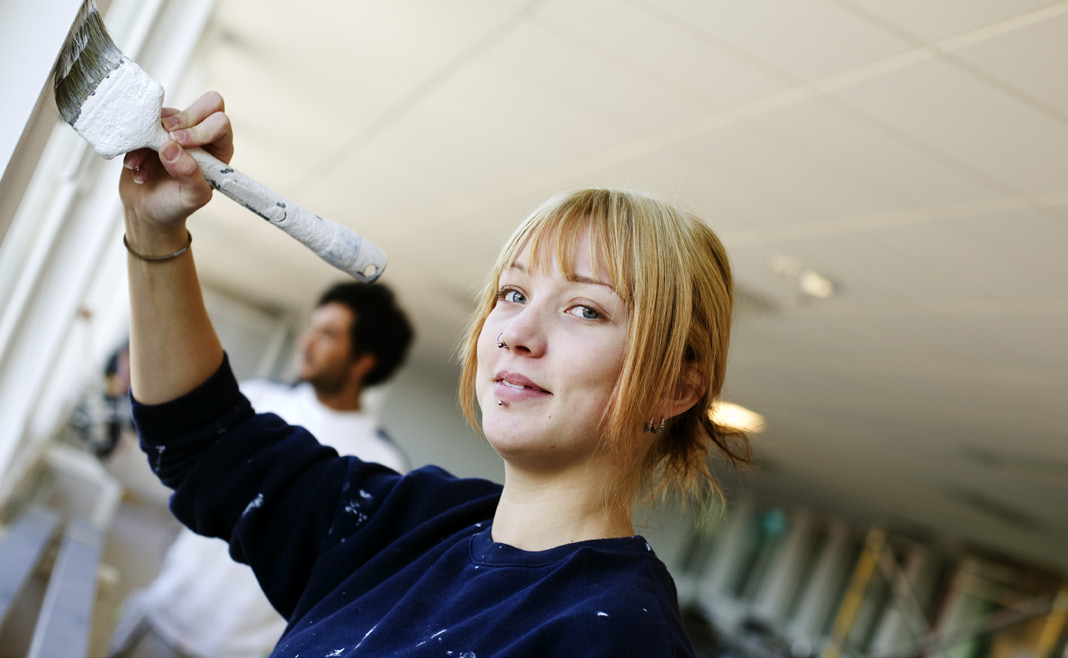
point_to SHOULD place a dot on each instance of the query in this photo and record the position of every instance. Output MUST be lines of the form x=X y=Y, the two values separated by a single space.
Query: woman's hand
x=160 y=191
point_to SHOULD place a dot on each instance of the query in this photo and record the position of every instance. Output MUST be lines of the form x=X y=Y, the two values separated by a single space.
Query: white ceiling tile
x=869 y=154
x=1025 y=251
x=601 y=83
x=722 y=199
x=968 y=121
x=809 y=185
x=1030 y=60
x=666 y=54
x=805 y=41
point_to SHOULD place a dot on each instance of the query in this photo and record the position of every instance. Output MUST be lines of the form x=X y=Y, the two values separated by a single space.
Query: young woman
x=594 y=358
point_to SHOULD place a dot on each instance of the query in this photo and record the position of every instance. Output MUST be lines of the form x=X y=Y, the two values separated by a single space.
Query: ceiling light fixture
x=738 y=417
x=808 y=281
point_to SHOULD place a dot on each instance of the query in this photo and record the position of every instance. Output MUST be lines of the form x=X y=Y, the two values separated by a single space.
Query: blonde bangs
x=554 y=233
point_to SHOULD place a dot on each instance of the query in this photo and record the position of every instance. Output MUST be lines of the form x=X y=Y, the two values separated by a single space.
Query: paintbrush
x=115 y=106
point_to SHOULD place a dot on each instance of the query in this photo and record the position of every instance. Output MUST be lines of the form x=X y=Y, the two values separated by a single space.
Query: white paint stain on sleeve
x=256 y=503
x=353 y=508
x=159 y=458
x=366 y=635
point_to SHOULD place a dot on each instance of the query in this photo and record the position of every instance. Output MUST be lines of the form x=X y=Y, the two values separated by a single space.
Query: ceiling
x=913 y=153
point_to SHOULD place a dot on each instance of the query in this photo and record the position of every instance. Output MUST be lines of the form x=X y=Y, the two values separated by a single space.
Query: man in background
x=205 y=605
x=102 y=416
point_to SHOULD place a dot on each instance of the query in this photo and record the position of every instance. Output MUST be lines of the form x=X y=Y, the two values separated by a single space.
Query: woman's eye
x=585 y=312
x=514 y=296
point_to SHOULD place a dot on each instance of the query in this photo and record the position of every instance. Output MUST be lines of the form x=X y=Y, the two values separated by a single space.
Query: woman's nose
x=524 y=334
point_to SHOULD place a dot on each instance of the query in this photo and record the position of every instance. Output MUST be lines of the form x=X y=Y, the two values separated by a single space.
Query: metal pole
x=847 y=612
x=1054 y=626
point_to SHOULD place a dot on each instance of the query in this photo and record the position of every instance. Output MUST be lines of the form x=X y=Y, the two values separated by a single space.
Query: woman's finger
x=134 y=160
x=193 y=190
x=213 y=133
x=203 y=107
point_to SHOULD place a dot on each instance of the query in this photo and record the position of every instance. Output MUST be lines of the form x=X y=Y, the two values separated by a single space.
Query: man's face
x=326 y=354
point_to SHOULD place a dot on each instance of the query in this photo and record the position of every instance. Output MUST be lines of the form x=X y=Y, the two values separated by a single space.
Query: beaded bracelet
x=158 y=259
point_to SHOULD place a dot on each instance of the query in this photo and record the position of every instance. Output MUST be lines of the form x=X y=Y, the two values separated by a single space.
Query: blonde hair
x=672 y=272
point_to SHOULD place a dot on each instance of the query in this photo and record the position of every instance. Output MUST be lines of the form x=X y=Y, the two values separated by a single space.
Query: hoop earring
x=651 y=426
x=500 y=343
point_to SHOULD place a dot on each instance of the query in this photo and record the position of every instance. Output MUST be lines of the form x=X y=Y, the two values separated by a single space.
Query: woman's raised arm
x=173 y=345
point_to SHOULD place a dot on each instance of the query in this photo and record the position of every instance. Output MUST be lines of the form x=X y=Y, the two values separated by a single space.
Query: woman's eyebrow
x=578 y=278
x=574 y=278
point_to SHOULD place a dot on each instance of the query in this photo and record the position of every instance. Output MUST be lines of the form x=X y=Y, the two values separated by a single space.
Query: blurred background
x=888 y=176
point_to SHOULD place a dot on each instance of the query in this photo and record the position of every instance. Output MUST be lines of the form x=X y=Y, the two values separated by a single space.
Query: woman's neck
x=537 y=513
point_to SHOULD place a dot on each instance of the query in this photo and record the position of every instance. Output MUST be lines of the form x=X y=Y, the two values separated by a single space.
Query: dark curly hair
x=380 y=326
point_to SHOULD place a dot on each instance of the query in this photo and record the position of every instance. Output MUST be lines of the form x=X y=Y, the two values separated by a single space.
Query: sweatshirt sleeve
x=268 y=488
x=174 y=434
x=285 y=503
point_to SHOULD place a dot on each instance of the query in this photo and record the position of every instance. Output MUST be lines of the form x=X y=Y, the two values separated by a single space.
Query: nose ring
x=499 y=342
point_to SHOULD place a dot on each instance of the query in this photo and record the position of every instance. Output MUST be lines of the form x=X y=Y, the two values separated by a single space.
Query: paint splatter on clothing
x=255 y=503
x=408 y=567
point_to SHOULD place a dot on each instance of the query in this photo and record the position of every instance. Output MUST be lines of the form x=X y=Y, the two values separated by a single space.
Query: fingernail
x=170 y=152
x=170 y=123
x=180 y=136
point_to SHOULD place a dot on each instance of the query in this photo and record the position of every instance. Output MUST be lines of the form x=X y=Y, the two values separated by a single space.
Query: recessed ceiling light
x=805 y=279
x=815 y=284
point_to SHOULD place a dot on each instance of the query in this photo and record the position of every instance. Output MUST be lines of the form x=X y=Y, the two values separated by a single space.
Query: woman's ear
x=691 y=387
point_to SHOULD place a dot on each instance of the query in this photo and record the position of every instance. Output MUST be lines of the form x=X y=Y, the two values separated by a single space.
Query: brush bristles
x=87 y=57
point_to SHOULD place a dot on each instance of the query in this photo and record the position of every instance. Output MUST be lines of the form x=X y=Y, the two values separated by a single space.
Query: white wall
x=31 y=34
x=61 y=263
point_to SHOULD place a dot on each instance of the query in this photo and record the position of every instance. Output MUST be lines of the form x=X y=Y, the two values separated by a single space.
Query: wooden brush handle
x=338 y=245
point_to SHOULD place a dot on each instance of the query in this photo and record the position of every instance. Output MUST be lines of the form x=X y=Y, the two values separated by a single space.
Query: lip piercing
x=500 y=343
x=500 y=403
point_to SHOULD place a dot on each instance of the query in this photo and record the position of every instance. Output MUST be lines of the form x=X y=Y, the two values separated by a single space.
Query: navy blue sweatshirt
x=366 y=562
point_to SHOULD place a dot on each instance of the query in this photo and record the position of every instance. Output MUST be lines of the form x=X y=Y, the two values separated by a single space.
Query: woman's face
x=564 y=343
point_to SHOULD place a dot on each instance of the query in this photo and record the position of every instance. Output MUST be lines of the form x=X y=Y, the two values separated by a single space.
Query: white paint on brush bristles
x=123 y=114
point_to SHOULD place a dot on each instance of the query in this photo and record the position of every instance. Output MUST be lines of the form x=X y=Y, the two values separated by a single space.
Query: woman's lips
x=513 y=387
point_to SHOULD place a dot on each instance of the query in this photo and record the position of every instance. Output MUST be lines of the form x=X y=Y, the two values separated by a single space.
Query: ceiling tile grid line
x=937 y=21
x=838 y=226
